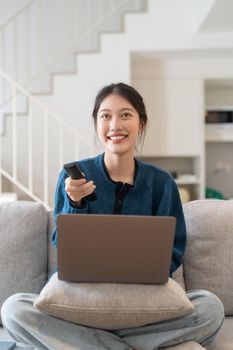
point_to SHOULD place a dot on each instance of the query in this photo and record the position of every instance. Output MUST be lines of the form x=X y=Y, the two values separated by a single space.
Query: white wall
x=9 y=8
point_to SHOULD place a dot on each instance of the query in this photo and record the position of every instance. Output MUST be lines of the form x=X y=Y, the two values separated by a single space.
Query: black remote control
x=73 y=170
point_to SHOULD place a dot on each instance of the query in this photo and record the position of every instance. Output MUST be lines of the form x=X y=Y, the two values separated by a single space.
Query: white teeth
x=117 y=137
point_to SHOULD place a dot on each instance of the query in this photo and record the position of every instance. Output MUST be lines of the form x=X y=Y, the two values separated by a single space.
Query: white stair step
x=8 y=197
x=65 y=65
x=43 y=83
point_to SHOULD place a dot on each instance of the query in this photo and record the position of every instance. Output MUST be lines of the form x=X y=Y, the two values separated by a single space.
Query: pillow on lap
x=113 y=305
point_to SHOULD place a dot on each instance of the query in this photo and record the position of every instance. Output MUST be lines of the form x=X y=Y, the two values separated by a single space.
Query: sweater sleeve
x=63 y=204
x=171 y=205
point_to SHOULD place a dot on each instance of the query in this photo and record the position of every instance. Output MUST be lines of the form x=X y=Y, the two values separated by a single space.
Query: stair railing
x=48 y=115
x=17 y=59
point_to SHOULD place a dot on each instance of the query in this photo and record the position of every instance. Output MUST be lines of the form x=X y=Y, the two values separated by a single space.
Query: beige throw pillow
x=113 y=305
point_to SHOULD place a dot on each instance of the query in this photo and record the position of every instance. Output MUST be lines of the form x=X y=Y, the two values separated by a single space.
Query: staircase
x=35 y=141
x=35 y=47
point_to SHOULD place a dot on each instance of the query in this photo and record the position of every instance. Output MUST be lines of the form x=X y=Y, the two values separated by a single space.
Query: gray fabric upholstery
x=178 y=276
x=224 y=339
x=113 y=305
x=52 y=253
x=209 y=254
x=23 y=249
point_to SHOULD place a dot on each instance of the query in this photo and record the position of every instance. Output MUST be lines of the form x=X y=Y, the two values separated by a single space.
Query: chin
x=119 y=151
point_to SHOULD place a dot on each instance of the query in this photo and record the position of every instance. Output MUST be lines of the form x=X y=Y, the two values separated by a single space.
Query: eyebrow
x=122 y=109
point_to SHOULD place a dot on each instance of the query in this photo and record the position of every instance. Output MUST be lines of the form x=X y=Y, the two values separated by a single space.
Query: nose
x=115 y=123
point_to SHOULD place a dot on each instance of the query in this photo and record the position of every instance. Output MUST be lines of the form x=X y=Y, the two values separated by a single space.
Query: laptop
x=114 y=248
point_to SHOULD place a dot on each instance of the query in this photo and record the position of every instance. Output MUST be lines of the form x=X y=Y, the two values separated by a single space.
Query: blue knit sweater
x=154 y=193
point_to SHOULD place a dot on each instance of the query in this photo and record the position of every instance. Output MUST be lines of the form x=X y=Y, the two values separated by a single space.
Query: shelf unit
x=177 y=89
x=219 y=138
x=181 y=182
x=219 y=132
x=185 y=170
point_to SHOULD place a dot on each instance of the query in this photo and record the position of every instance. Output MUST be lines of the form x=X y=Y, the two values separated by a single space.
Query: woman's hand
x=78 y=189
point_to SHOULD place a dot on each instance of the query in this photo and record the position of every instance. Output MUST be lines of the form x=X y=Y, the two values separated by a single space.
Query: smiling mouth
x=120 y=137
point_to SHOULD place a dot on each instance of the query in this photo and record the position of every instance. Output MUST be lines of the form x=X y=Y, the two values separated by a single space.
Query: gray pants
x=29 y=326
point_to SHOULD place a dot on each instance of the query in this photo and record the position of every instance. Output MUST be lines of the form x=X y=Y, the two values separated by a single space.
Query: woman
x=123 y=185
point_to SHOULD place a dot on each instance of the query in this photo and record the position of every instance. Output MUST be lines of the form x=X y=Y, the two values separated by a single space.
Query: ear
x=141 y=128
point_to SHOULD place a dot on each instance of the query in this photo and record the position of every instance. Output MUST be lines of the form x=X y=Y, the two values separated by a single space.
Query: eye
x=126 y=115
x=105 y=116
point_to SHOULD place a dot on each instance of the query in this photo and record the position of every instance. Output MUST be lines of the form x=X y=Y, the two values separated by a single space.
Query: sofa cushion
x=178 y=276
x=52 y=251
x=113 y=305
x=23 y=249
x=224 y=339
x=209 y=254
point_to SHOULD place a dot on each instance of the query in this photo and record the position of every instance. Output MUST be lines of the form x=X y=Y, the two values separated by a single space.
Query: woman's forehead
x=115 y=102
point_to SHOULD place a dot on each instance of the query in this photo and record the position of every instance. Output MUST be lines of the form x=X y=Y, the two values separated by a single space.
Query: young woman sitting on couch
x=120 y=121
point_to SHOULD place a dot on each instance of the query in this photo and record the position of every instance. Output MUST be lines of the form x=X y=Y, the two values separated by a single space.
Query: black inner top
x=121 y=188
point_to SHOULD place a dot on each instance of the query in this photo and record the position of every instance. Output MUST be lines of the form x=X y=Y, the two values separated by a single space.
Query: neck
x=120 y=167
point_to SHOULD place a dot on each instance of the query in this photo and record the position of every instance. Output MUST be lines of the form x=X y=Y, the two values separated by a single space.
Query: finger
x=76 y=187
x=89 y=191
x=87 y=185
x=79 y=189
x=76 y=182
x=69 y=182
x=81 y=194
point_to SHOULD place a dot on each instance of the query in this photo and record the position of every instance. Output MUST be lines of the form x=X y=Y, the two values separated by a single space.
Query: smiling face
x=118 y=125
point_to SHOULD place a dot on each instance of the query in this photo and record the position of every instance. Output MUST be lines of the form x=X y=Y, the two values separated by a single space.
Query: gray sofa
x=27 y=257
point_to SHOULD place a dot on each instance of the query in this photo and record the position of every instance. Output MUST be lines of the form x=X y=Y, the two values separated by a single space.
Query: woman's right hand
x=78 y=189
